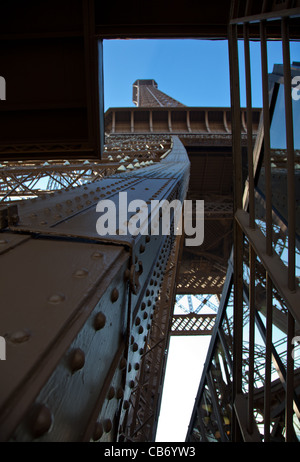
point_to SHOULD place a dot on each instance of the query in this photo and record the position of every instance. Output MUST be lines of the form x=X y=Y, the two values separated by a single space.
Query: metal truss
x=86 y=356
x=21 y=180
x=249 y=390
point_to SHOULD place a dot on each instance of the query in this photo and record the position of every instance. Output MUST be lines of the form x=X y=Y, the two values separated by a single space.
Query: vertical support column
x=266 y=119
x=113 y=122
x=170 y=121
x=237 y=231
x=250 y=417
x=289 y=394
x=268 y=363
x=188 y=122
x=150 y=121
x=290 y=154
x=132 y=121
x=249 y=126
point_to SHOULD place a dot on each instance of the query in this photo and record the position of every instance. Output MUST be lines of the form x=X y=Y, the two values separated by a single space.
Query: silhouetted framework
x=86 y=319
x=249 y=390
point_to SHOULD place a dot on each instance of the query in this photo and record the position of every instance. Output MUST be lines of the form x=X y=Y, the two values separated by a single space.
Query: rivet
x=19 y=336
x=77 y=360
x=114 y=295
x=123 y=363
x=98 y=431
x=107 y=425
x=126 y=274
x=140 y=330
x=97 y=255
x=126 y=405
x=136 y=366
x=99 y=321
x=135 y=347
x=56 y=299
x=131 y=383
x=111 y=393
x=142 y=248
x=137 y=321
x=81 y=273
x=41 y=420
x=119 y=393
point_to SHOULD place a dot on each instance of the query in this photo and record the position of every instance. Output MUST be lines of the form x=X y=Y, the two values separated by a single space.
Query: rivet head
x=123 y=363
x=99 y=321
x=98 y=431
x=126 y=405
x=126 y=274
x=111 y=393
x=41 y=420
x=114 y=295
x=119 y=393
x=135 y=347
x=97 y=255
x=107 y=425
x=19 y=336
x=80 y=273
x=77 y=360
x=55 y=299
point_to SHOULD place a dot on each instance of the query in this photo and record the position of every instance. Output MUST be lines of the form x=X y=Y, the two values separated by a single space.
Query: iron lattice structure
x=90 y=317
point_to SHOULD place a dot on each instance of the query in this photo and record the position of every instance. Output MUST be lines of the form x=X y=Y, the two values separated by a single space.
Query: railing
x=251 y=399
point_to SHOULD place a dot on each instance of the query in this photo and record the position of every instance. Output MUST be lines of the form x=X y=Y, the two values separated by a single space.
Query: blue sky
x=195 y=72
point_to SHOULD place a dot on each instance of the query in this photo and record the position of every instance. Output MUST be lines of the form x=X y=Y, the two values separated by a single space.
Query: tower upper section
x=146 y=94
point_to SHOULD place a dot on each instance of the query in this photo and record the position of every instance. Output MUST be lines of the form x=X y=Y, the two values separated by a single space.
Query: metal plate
x=48 y=290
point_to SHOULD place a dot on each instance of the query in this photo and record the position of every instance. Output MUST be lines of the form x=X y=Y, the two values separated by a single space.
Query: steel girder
x=78 y=308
